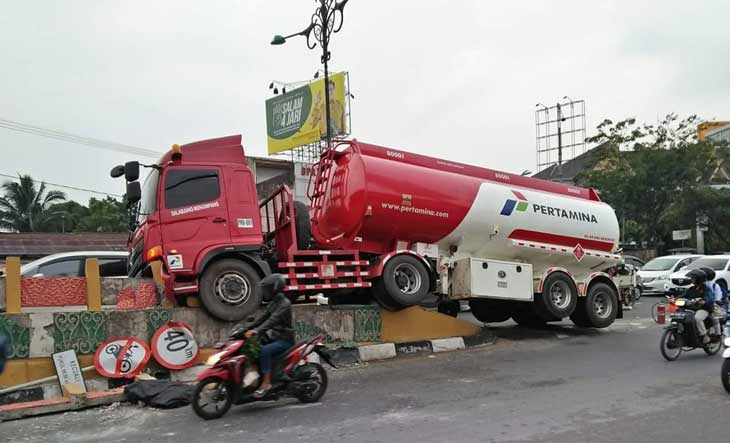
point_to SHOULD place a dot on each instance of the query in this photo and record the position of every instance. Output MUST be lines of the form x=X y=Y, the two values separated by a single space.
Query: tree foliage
x=25 y=207
x=654 y=176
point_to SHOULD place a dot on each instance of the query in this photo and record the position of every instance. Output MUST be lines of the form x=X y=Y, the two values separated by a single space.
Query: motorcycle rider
x=274 y=327
x=699 y=290
x=718 y=311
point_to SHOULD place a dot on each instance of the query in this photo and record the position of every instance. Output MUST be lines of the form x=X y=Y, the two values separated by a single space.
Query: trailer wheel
x=528 y=318
x=405 y=280
x=229 y=290
x=302 y=224
x=559 y=297
x=601 y=305
x=490 y=311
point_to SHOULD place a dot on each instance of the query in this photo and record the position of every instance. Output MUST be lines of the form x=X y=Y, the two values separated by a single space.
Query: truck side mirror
x=131 y=171
x=117 y=171
x=134 y=193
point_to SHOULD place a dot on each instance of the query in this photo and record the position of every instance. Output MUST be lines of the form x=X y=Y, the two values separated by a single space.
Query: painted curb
x=30 y=409
x=385 y=351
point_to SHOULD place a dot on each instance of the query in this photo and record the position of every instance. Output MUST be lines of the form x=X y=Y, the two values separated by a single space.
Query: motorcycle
x=681 y=334
x=297 y=373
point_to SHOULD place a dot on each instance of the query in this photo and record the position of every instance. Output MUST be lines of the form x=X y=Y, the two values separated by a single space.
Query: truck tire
x=302 y=224
x=579 y=317
x=380 y=295
x=405 y=280
x=490 y=311
x=229 y=289
x=558 y=299
x=601 y=305
x=528 y=318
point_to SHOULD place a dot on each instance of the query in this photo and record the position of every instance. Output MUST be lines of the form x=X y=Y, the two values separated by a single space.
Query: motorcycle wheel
x=726 y=375
x=667 y=353
x=712 y=348
x=316 y=372
x=221 y=402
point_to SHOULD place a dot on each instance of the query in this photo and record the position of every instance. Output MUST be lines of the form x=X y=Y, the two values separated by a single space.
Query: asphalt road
x=561 y=384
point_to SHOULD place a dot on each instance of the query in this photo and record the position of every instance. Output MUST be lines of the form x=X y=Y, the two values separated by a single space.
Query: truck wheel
x=601 y=305
x=579 y=316
x=526 y=317
x=405 y=279
x=487 y=311
x=559 y=297
x=449 y=307
x=302 y=224
x=383 y=299
x=229 y=290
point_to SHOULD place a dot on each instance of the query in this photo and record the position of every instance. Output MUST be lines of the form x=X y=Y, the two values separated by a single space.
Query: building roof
x=572 y=167
x=37 y=244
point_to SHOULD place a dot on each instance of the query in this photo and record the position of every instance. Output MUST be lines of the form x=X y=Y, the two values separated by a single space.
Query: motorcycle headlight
x=214 y=359
x=727 y=342
x=680 y=302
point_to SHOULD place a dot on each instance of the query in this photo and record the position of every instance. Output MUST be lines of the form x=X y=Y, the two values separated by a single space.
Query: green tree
x=643 y=170
x=25 y=208
x=104 y=215
x=70 y=214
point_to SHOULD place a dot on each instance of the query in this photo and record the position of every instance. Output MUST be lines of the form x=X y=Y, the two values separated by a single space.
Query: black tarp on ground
x=162 y=394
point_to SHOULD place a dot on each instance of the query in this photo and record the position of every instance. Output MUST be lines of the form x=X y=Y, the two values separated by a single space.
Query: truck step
x=310 y=264
x=337 y=275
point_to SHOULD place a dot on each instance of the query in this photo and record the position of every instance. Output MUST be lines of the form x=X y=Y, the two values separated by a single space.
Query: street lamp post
x=324 y=23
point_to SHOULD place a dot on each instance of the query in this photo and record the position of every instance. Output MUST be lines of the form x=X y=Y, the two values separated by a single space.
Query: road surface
x=557 y=385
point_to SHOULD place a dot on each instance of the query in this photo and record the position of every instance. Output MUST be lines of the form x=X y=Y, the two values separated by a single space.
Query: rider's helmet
x=271 y=285
x=698 y=277
x=709 y=272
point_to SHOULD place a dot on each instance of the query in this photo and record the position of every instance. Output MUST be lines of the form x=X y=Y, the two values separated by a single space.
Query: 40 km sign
x=174 y=346
x=121 y=357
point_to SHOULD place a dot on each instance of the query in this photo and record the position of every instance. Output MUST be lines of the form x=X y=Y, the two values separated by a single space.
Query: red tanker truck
x=391 y=224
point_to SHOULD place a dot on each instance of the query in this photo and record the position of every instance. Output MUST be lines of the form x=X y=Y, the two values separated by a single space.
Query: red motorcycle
x=297 y=373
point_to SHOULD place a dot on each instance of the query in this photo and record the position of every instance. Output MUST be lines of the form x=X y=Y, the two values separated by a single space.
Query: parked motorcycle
x=297 y=373
x=681 y=334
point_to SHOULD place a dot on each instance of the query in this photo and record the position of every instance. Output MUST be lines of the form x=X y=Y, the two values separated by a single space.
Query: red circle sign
x=121 y=357
x=174 y=346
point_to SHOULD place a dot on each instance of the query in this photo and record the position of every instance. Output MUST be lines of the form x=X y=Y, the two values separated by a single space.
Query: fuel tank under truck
x=379 y=200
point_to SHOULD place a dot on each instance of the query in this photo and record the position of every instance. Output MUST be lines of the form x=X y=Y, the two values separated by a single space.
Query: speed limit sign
x=174 y=346
x=121 y=357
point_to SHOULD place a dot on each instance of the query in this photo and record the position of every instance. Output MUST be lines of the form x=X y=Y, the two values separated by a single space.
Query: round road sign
x=174 y=346
x=121 y=357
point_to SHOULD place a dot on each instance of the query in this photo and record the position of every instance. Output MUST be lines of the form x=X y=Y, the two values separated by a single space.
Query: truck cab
x=196 y=208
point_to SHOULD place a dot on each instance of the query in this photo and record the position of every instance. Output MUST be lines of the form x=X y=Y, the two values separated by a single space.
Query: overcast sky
x=454 y=79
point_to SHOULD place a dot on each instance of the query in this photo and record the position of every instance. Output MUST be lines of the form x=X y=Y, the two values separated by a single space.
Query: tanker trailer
x=513 y=246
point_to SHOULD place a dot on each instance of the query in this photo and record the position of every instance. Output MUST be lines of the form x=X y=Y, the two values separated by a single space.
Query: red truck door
x=243 y=208
x=193 y=215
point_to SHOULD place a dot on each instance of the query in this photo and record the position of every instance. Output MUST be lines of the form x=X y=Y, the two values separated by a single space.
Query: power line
x=15 y=177
x=78 y=139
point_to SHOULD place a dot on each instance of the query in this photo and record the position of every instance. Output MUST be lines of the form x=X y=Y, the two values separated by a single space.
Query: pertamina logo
x=511 y=205
x=522 y=205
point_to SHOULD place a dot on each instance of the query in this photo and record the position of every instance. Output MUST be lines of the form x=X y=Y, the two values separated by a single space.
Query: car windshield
x=717 y=264
x=148 y=203
x=660 y=264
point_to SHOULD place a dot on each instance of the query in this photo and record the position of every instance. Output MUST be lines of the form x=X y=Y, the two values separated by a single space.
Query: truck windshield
x=660 y=264
x=148 y=203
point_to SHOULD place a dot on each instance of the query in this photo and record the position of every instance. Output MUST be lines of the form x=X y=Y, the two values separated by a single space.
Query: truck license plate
x=502 y=284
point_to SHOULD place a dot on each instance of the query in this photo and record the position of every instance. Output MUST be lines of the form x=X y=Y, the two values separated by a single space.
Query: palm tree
x=25 y=208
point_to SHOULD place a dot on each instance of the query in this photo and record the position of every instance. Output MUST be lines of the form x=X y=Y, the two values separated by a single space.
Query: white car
x=72 y=264
x=655 y=275
x=719 y=263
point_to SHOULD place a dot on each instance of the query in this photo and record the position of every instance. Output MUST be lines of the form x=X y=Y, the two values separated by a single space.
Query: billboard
x=298 y=117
